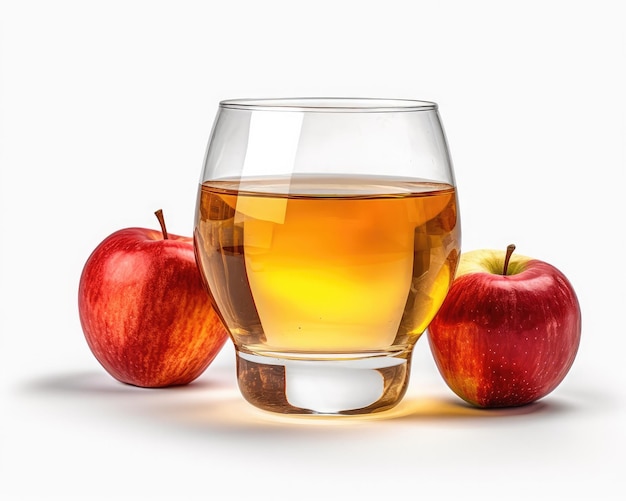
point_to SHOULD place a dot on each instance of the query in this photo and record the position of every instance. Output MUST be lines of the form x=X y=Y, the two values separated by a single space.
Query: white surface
x=105 y=111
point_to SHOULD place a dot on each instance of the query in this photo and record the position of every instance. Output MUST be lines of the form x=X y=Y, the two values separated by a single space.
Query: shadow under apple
x=429 y=408
x=99 y=383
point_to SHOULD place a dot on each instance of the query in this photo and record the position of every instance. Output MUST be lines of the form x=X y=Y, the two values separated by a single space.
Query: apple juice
x=326 y=266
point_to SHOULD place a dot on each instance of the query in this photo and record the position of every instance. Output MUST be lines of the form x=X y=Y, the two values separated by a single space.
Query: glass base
x=340 y=386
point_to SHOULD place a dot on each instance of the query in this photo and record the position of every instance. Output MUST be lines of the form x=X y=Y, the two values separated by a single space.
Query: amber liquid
x=327 y=266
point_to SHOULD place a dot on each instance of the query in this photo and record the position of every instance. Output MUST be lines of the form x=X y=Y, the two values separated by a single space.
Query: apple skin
x=144 y=310
x=505 y=340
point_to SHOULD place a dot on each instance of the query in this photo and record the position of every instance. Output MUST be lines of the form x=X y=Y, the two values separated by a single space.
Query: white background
x=105 y=111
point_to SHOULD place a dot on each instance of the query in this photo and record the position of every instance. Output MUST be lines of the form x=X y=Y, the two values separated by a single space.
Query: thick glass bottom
x=343 y=385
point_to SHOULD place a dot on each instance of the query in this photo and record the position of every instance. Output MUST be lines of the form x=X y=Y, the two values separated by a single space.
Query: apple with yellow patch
x=508 y=331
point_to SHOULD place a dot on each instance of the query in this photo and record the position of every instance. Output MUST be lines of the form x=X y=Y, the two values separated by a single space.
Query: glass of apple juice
x=327 y=233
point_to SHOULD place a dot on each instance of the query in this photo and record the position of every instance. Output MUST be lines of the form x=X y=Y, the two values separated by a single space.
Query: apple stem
x=159 y=215
x=509 y=250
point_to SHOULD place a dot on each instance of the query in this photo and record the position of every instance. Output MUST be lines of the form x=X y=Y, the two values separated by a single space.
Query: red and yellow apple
x=508 y=331
x=144 y=310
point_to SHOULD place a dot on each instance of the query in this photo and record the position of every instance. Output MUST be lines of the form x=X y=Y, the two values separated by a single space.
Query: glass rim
x=329 y=104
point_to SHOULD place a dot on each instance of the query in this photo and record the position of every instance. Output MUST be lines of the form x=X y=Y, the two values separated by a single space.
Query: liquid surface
x=324 y=265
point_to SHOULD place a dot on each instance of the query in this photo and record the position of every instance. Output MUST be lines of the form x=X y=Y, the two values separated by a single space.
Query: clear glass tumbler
x=327 y=232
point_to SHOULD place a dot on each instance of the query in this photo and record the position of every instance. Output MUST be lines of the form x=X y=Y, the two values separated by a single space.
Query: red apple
x=508 y=331
x=144 y=310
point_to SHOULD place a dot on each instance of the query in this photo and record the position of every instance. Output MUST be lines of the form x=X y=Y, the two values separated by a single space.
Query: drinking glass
x=327 y=233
